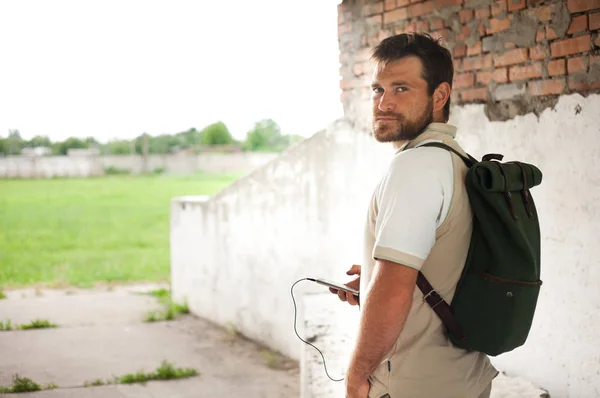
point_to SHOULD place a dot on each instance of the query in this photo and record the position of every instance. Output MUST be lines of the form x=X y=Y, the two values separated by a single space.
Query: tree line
x=265 y=136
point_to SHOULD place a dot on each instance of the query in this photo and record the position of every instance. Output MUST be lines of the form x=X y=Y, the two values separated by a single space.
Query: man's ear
x=441 y=95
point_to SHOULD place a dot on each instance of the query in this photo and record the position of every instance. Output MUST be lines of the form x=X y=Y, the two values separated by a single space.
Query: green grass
x=82 y=231
x=24 y=384
x=165 y=372
x=2 y=295
x=7 y=325
x=38 y=324
x=171 y=309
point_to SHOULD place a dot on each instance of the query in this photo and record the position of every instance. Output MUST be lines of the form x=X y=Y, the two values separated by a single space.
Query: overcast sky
x=118 y=68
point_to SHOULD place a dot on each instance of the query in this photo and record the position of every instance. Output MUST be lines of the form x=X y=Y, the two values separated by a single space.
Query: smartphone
x=334 y=285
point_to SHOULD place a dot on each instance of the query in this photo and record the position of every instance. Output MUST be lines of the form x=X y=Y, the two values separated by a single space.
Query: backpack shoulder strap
x=469 y=161
x=440 y=307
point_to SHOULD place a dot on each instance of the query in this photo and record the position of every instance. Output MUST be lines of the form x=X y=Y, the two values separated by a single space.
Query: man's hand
x=355 y=284
x=356 y=387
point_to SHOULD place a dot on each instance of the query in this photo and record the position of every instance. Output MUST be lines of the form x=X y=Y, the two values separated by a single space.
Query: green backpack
x=496 y=296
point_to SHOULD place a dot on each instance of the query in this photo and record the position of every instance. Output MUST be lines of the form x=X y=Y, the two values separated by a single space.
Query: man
x=419 y=219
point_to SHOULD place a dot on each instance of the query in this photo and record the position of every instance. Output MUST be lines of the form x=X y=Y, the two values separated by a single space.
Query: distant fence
x=90 y=166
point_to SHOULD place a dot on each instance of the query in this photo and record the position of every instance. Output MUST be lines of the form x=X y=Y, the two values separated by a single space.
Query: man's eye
x=377 y=90
x=401 y=89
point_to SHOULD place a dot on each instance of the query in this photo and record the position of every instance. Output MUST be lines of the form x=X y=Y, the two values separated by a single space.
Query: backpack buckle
x=433 y=295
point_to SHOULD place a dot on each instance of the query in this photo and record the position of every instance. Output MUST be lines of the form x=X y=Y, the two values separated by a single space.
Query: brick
x=570 y=46
x=540 y=35
x=374 y=21
x=422 y=26
x=477 y=62
x=525 y=72
x=547 y=87
x=551 y=33
x=436 y=23
x=499 y=76
x=463 y=80
x=557 y=67
x=581 y=5
x=460 y=50
x=474 y=50
x=497 y=25
x=446 y=3
x=482 y=13
x=484 y=77
x=395 y=16
x=417 y=10
x=594 y=20
x=512 y=57
x=458 y=64
x=537 y=53
x=498 y=7
x=408 y=28
x=597 y=41
x=372 y=9
x=578 y=64
x=475 y=94
x=402 y=3
x=508 y=91
x=465 y=16
x=578 y=24
x=579 y=85
x=390 y=5
x=515 y=5
x=441 y=34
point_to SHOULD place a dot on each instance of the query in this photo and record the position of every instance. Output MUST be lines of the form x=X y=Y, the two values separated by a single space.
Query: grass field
x=80 y=231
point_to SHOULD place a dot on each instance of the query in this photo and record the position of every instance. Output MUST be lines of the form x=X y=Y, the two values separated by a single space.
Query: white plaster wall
x=234 y=256
x=563 y=350
x=88 y=166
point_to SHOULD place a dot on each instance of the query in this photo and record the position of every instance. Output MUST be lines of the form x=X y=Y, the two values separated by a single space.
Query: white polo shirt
x=412 y=199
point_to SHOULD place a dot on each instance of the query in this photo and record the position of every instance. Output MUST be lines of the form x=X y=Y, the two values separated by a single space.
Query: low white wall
x=89 y=166
x=234 y=256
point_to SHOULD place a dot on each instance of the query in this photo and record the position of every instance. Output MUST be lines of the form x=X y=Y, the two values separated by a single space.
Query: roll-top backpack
x=496 y=296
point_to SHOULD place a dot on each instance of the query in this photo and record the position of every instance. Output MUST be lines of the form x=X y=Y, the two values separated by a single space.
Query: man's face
x=401 y=107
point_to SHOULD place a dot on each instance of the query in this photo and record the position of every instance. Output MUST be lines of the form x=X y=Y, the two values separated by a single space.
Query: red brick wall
x=504 y=50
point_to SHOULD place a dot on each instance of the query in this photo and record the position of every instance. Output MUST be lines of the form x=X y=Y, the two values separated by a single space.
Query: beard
x=402 y=129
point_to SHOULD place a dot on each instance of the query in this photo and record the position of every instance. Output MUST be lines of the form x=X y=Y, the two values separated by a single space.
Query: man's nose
x=386 y=103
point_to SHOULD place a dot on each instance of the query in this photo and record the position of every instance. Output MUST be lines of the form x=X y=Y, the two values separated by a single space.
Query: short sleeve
x=410 y=200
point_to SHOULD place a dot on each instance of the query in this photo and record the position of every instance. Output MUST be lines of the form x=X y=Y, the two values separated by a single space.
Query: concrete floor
x=102 y=334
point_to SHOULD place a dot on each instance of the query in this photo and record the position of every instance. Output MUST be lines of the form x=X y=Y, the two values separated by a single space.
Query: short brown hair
x=436 y=59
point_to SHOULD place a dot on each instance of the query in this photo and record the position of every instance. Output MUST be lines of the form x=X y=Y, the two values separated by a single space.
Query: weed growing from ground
x=24 y=384
x=171 y=309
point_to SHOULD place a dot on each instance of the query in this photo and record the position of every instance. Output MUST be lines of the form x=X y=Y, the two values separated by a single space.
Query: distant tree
x=216 y=134
x=62 y=147
x=117 y=147
x=14 y=143
x=266 y=136
x=39 y=141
